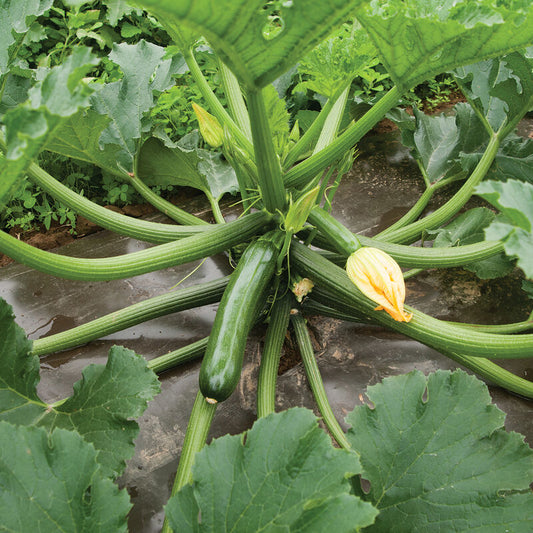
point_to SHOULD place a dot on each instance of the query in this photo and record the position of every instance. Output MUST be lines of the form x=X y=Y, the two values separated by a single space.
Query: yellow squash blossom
x=210 y=127
x=379 y=278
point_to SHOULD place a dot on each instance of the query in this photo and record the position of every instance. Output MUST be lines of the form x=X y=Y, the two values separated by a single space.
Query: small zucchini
x=242 y=299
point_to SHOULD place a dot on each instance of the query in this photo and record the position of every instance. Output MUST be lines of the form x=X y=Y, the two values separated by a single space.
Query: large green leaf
x=101 y=408
x=186 y=167
x=418 y=39
x=236 y=29
x=438 y=141
x=52 y=482
x=79 y=137
x=514 y=227
x=441 y=463
x=284 y=476
x=468 y=228
x=16 y=18
x=332 y=65
x=60 y=93
x=501 y=89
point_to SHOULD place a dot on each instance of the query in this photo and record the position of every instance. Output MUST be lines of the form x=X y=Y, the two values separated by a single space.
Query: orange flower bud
x=378 y=276
x=210 y=127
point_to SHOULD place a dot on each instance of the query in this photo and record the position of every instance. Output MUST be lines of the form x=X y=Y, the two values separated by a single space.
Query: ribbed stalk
x=485 y=368
x=219 y=239
x=418 y=257
x=268 y=166
x=233 y=92
x=333 y=287
x=268 y=371
x=309 y=136
x=195 y=438
x=315 y=380
x=172 y=302
x=136 y=229
x=177 y=357
x=451 y=207
x=214 y=103
x=299 y=175
x=172 y=211
x=332 y=122
x=341 y=238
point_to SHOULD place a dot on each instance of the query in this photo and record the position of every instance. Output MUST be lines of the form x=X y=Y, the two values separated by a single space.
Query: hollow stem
x=135 y=228
x=315 y=380
x=485 y=368
x=418 y=257
x=333 y=288
x=177 y=357
x=195 y=438
x=309 y=136
x=299 y=175
x=412 y=231
x=164 y=304
x=268 y=370
x=175 y=213
x=221 y=238
x=268 y=166
x=235 y=99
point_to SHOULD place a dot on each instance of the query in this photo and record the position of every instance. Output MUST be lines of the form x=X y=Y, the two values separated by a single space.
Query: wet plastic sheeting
x=350 y=356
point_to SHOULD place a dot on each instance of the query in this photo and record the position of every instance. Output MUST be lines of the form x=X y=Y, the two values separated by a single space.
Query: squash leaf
x=53 y=481
x=418 y=39
x=240 y=33
x=444 y=463
x=284 y=476
x=101 y=408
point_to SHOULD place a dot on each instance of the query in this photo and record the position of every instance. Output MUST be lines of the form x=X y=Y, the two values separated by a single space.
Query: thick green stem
x=221 y=238
x=268 y=166
x=171 y=302
x=417 y=257
x=268 y=371
x=172 y=211
x=177 y=357
x=195 y=438
x=137 y=229
x=235 y=99
x=451 y=207
x=485 y=368
x=315 y=380
x=411 y=215
x=309 y=136
x=214 y=103
x=341 y=238
x=299 y=175
x=334 y=288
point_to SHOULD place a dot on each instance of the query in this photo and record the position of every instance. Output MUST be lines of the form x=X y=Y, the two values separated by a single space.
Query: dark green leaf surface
x=59 y=94
x=418 y=39
x=468 y=228
x=236 y=29
x=16 y=18
x=185 y=167
x=102 y=405
x=501 y=89
x=332 y=65
x=52 y=482
x=79 y=137
x=286 y=476
x=444 y=463
x=439 y=140
x=515 y=225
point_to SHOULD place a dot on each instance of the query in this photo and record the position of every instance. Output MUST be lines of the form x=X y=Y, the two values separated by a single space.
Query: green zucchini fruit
x=242 y=299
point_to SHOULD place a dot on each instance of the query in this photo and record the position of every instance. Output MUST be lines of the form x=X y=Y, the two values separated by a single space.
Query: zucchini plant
x=444 y=463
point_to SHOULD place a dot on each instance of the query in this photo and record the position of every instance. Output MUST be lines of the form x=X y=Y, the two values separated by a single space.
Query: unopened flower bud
x=210 y=127
x=378 y=276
